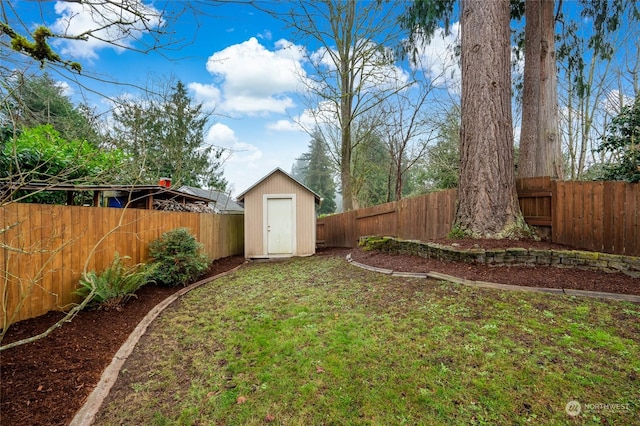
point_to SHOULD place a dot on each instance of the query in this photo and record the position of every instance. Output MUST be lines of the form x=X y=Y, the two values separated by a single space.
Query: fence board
x=619 y=219
x=58 y=240
x=578 y=213
x=608 y=216
x=557 y=225
x=632 y=228
x=597 y=232
x=35 y=261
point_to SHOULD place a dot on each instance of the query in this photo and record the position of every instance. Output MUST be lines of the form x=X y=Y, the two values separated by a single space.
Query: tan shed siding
x=253 y=224
x=253 y=217
x=306 y=223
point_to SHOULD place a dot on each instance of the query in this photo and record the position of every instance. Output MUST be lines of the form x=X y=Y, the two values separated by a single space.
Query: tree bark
x=540 y=144
x=487 y=199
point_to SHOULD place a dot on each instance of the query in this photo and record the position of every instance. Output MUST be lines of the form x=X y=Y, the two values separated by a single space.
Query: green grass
x=317 y=341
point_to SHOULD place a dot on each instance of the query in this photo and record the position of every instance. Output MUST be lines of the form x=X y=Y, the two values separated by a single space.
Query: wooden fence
x=45 y=248
x=600 y=216
x=418 y=218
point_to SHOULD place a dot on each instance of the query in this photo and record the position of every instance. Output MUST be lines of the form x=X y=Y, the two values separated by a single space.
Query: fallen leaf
x=319 y=369
x=40 y=388
x=269 y=418
x=241 y=400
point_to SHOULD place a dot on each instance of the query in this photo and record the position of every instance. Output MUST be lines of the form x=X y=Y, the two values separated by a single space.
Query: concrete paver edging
x=86 y=415
x=484 y=284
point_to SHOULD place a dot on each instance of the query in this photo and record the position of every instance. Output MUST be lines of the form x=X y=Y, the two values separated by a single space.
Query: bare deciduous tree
x=353 y=68
x=406 y=129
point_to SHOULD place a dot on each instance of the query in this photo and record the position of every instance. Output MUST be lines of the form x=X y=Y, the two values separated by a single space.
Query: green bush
x=115 y=285
x=177 y=258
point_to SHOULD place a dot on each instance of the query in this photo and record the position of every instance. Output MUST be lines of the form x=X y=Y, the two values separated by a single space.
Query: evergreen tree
x=318 y=174
x=371 y=176
x=165 y=138
x=299 y=169
x=39 y=100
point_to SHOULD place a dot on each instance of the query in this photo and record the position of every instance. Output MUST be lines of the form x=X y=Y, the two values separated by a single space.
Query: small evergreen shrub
x=177 y=258
x=115 y=285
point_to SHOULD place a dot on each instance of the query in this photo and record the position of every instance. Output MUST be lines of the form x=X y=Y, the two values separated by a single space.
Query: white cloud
x=615 y=101
x=249 y=104
x=255 y=154
x=437 y=59
x=284 y=126
x=266 y=35
x=223 y=136
x=308 y=120
x=65 y=88
x=79 y=18
x=206 y=94
x=255 y=80
x=376 y=74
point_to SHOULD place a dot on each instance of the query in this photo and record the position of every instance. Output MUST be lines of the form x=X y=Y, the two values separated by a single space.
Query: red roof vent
x=165 y=182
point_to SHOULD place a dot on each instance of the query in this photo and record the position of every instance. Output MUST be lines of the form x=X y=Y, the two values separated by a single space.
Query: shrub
x=115 y=285
x=177 y=258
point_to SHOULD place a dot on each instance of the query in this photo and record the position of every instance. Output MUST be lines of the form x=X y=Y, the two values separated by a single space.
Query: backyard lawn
x=312 y=341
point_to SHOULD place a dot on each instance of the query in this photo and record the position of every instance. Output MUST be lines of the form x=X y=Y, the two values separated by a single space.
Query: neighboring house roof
x=279 y=170
x=220 y=201
x=139 y=194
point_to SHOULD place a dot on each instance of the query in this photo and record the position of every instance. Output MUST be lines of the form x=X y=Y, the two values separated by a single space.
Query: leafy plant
x=177 y=258
x=40 y=155
x=115 y=285
x=457 y=233
x=622 y=140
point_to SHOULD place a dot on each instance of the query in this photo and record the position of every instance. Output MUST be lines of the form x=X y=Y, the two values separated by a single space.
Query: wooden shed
x=279 y=217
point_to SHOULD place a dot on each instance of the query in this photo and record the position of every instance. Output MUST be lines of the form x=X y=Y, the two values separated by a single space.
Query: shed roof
x=274 y=171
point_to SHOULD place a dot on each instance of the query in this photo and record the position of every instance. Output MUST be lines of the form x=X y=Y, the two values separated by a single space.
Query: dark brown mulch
x=539 y=276
x=47 y=381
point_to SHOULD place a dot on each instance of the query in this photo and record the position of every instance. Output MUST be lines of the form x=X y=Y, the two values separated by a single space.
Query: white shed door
x=279 y=226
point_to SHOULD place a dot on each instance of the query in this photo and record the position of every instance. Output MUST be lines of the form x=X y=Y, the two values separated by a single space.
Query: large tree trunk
x=487 y=200
x=540 y=144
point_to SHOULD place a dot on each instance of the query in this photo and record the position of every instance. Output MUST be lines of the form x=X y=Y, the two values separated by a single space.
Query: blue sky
x=236 y=60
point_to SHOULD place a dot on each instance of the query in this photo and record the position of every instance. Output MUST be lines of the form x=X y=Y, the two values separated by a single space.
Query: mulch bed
x=539 y=276
x=46 y=382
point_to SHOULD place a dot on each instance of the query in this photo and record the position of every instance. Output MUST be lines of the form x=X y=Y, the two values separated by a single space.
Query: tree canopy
x=40 y=155
x=33 y=100
x=317 y=173
x=165 y=137
x=623 y=141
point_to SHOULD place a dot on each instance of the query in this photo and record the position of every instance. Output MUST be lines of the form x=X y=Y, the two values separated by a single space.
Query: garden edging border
x=606 y=262
x=86 y=414
x=509 y=287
